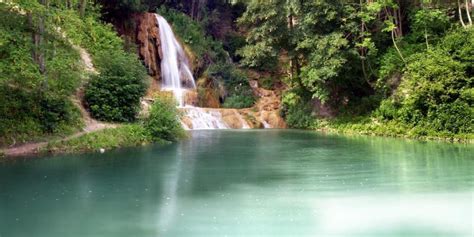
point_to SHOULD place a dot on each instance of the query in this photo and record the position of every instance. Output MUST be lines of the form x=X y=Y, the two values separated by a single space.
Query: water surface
x=245 y=183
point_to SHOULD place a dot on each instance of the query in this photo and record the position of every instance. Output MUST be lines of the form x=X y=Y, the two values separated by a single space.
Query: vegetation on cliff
x=390 y=62
x=44 y=72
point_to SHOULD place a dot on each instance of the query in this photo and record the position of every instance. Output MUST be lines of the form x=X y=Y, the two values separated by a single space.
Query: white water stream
x=177 y=78
x=174 y=64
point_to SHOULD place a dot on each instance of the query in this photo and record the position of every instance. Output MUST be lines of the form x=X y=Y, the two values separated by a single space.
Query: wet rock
x=148 y=42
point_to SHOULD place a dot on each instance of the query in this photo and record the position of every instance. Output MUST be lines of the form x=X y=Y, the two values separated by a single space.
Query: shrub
x=296 y=111
x=233 y=42
x=114 y=94
x=163 y=121
x=299 y=116
x=388 y=110
x=429 y=25
x=460 y=45
x=239 y=92
x=57 y=113
x=457 y=117
x=239 y=101
x=267 y=83
x=432 y=94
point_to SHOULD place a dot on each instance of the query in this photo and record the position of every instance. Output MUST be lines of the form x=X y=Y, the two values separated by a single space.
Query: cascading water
x=177 y=78
x=174 y=64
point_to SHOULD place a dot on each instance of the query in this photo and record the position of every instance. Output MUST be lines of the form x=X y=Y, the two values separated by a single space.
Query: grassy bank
x=128 y=135
x=160 y=126
x=373 y=127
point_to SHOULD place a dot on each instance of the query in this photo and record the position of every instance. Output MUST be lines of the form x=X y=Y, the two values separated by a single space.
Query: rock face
x=265 y=114
x=148 y=42
x=266 y=110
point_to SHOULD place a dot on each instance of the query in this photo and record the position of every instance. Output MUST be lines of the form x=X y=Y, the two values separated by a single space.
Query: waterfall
x=174 y=65
x=177 y=78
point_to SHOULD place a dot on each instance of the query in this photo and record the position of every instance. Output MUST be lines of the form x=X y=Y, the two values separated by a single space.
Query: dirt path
x=91 y=125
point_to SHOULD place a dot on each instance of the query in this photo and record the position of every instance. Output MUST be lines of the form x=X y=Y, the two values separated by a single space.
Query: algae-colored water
x=245 y=183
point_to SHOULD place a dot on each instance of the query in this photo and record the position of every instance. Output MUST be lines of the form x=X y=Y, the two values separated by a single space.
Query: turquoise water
x=245 y=183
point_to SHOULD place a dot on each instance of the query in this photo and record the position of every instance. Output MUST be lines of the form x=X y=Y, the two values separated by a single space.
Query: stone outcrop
x=148 y=42
x=265 y=113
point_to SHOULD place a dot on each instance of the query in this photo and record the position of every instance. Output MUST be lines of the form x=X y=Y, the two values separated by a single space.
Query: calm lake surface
x=245 y=183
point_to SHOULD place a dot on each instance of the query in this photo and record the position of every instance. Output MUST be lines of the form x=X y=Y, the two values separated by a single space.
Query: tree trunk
x=38 y=50
x=468 y=13
x=82 y=8
x=460 y=15
x=193 y=9
x=396 y=47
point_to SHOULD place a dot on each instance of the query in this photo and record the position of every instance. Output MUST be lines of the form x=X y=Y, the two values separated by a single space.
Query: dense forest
x=383 y=67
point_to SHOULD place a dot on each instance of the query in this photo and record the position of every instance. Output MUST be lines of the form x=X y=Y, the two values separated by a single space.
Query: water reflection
x=245 y=183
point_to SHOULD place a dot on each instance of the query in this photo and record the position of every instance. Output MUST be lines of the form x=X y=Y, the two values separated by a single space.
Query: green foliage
x=232 y=43
x=435 y=94
x=429 y=24
x=192 y=33
x=239 y=93
x=266 y=83
x=163 y=121
x=459 y=44
x=296 y=112
x=114 y=94
x=123 y=136
x=56 y=113
x=239 y=101
x=34 y=103
x=266 y=22
x=431 y=93
x=325 y=61
x=392 y=66
x=388 y=110
x=89 y=32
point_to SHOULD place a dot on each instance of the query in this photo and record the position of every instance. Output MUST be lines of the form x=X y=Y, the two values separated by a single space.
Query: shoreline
x=122 y=136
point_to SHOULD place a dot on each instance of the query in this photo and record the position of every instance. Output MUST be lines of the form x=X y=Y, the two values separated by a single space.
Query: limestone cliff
x=148 y=43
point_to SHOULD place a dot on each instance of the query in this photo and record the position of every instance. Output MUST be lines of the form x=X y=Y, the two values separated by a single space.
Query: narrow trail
x=90 y=124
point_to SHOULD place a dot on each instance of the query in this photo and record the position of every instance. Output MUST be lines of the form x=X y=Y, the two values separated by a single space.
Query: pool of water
x=245 y=183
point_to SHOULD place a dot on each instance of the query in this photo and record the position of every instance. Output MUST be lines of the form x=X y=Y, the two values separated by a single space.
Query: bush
x=57 y=113
x=433 y=94
x=239 y=92
x=239 y=101
x=388 y=110
x=296 y=111
x=457 y=117
x=114 y=94
x=163 y=121
x=460 y=45
x=267 y=83
x=233 y=42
